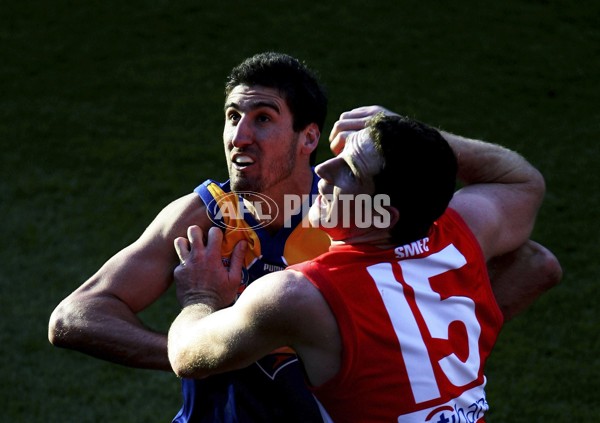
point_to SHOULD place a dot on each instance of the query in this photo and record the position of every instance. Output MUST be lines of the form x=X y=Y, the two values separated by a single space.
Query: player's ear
x=310 y=138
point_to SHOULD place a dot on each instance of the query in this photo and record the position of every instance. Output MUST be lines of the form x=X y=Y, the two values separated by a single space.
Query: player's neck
x=295 y=188
x=375 y=237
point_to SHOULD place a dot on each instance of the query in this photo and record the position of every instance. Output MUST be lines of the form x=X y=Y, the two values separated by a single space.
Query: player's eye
x=233 y=116
x=349 y=172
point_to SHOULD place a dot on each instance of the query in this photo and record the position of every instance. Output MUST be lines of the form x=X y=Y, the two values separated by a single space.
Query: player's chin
x=241 y=183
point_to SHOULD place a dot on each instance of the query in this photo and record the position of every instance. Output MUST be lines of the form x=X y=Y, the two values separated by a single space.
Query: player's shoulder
x=481 y=215
x=181 y=213
x=187 y=207
x=277 y=299
x=284 y=286
x=297 y=291
x=284 y=280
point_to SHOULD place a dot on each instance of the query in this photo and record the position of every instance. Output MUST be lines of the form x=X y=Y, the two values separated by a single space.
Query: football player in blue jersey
x=275 y=109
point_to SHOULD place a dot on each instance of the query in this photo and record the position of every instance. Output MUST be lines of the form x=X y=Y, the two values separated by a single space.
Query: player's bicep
x=142 y=271
x=485 y=217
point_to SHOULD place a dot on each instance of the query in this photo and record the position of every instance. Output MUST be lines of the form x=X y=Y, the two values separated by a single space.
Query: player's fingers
x=345 y=125
x=194 y=234
x=356 y=119
x=360 y=112
x=237 y=260
x=182 y=248
x=214 y=240
x=337 y=144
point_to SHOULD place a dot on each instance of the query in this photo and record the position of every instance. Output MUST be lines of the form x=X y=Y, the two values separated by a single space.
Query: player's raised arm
x=501 y=196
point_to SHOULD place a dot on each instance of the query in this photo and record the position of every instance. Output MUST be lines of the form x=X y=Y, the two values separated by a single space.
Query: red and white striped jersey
x=417 y=324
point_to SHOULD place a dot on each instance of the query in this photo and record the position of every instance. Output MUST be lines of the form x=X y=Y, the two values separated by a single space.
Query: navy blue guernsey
x=273 y=389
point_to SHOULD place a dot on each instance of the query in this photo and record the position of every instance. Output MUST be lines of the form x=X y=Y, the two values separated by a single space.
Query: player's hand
x=353 y=120
x=201 y=276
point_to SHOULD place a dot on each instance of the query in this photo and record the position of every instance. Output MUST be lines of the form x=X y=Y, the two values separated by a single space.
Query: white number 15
x=438 y=314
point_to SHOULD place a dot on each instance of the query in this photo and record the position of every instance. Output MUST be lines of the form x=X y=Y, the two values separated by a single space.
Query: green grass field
x=109 y=110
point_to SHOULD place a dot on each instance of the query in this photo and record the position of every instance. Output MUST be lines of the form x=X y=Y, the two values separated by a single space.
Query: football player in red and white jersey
x=396 y=321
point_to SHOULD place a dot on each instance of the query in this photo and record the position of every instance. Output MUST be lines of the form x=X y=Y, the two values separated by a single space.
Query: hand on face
x=353 y=120
x=201 y=276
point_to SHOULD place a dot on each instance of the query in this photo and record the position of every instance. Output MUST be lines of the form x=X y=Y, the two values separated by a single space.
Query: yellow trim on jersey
x=236 y=228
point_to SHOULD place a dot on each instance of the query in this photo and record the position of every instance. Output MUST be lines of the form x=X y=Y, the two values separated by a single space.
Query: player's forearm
x=189 y=346
x=105 y=331
x=506 y=189
x=483 y=162
x=205 y=341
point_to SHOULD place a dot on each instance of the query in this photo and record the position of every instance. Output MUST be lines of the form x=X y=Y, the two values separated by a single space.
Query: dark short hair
x=419 y=173
x=298 y=85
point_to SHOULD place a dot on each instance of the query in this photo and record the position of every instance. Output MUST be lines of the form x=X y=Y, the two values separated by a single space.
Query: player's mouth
x=241 y=161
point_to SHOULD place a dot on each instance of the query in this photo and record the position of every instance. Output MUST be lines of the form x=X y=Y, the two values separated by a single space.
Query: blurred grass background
x=109 y=110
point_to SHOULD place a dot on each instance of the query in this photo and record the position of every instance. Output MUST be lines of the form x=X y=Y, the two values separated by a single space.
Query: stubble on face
x=266 y=146
x=271 y=173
